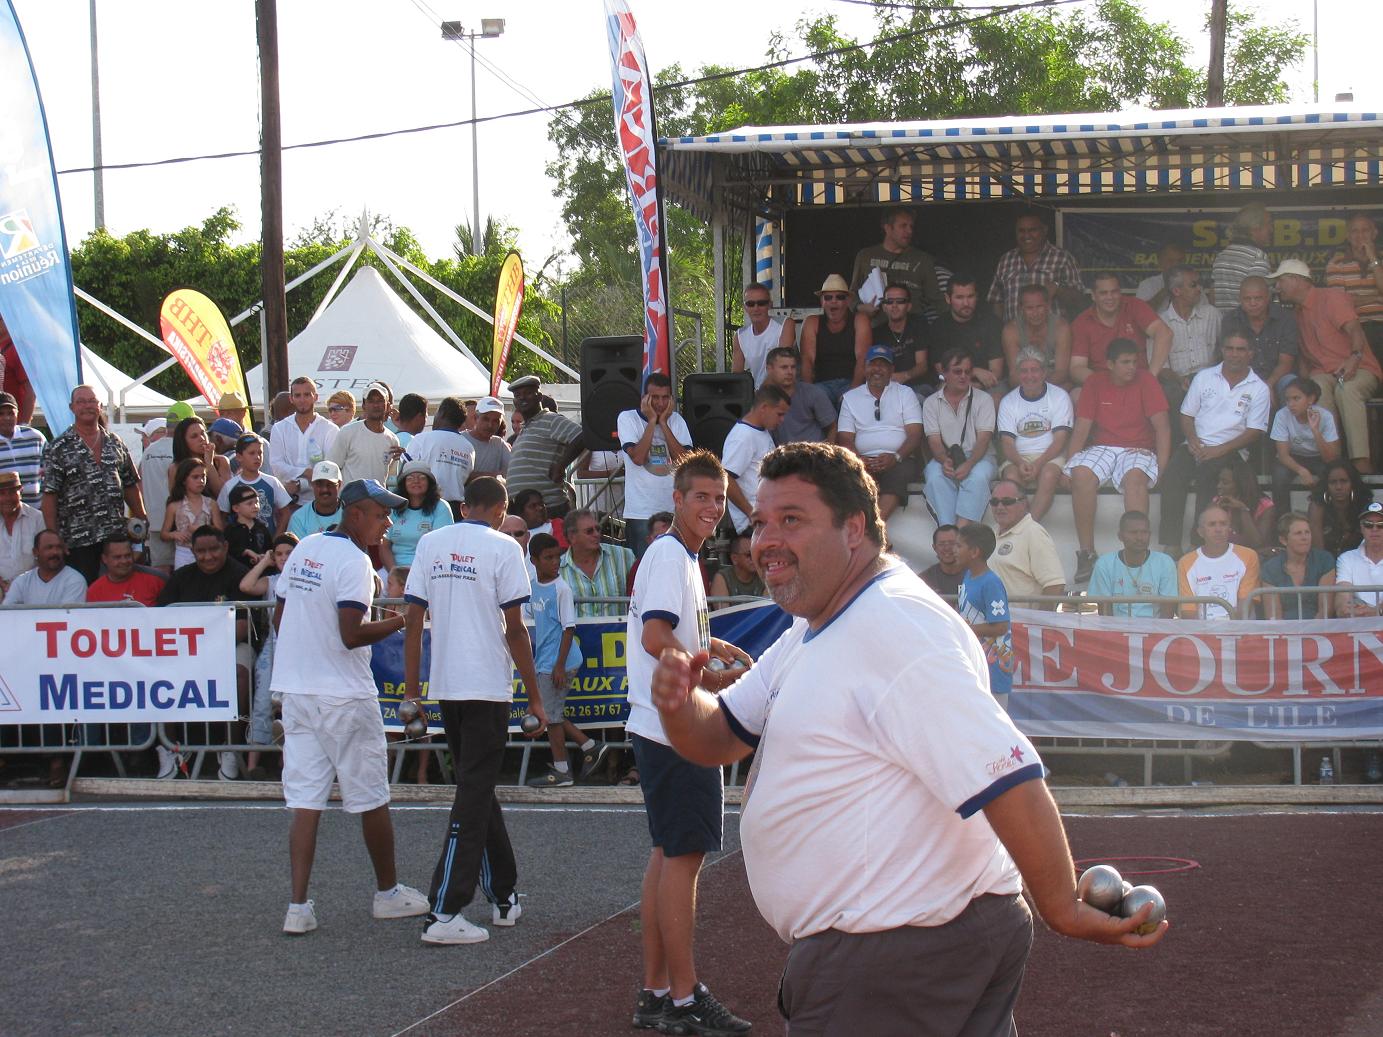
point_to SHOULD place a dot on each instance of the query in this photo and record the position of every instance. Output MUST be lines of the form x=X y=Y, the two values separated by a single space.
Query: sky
x=180 y=78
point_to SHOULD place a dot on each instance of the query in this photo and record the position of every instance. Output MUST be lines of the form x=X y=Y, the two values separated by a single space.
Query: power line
x=603 y=98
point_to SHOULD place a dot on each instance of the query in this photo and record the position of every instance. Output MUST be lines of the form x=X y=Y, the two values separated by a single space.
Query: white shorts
x=1111 y=463
x=326 y=739
x=1059 y=461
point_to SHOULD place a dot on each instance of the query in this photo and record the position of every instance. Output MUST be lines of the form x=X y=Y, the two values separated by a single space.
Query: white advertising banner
x=118 y=665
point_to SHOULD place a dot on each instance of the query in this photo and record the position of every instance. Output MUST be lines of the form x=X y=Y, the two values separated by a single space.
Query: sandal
x=631 y=777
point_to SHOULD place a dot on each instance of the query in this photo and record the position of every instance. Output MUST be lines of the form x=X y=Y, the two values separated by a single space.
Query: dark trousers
x=960 y=979
x=1284 y=479
x=476 y=849
x=1184 y=473
x=86 y=559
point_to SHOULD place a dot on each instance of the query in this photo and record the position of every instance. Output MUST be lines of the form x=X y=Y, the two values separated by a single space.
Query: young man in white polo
x=473 y=579
x=332 y=726
x=684 y=802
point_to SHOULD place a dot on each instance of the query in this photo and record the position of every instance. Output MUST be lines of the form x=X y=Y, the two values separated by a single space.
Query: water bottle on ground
x=1327 y=774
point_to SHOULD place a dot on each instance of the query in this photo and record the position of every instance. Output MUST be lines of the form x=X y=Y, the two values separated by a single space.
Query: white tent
x=369 y=333
x=140 y=401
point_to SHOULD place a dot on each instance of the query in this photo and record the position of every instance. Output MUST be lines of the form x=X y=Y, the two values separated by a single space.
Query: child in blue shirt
x=983 y=603
x=556 y=657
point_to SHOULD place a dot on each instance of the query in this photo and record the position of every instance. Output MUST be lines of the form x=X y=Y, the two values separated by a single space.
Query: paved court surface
x=148 y=920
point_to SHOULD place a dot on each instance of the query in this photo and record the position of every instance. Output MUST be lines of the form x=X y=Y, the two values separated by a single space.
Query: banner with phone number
x=598 y=695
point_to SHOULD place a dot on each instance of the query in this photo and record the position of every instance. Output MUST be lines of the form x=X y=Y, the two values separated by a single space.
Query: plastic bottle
x=1327 y=774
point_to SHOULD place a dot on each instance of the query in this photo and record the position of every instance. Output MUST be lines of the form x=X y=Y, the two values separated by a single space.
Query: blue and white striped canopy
x=767 y=170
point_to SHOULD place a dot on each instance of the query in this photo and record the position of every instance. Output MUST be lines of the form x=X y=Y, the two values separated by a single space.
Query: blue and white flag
x=36 y=300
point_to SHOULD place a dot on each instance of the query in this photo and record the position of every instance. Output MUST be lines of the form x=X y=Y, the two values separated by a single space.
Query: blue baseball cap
x=879 y=353
x=358 y=490
x=228 y=427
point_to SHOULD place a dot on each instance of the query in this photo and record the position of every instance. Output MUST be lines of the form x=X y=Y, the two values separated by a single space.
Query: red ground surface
x=1275 y=933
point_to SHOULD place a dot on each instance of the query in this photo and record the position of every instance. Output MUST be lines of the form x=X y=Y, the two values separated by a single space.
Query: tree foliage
x=133 y=274
x=927 y=63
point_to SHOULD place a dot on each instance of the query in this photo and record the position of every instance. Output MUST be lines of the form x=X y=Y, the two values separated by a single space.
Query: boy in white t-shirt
x=652 y=438
x=274 y=500
x=332 y=726
x=474 y=581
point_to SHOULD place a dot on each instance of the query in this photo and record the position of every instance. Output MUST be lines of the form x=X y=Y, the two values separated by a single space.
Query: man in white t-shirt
x=1362 y=567
x=761 y=334
x=652 y=438
x=473 y=580
x=745 y=446
x=446 y=452
x=881 y=421
x=1034 y=426
x=861 y=830
x=332 y=726
x=366 y=449
x=667 y=610
x=1216 y=569
x=300 y=441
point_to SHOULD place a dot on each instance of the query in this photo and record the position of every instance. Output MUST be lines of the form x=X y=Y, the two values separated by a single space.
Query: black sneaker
x=1085 y=565
x=649 y=1010
x=594 y=759
x=704 y=1017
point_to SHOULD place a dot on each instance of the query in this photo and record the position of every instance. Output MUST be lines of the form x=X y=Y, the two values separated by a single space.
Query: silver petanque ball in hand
x=1102 y=887
x=1134 y=901
x=529 y=723
x=409 y=710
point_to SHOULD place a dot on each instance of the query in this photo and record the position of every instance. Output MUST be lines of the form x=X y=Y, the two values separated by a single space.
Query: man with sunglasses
x=834 y=341
x=905 y=334
x=1363 y=567
x=1024 y=556
x=898 y=262
x=881 y=421
x=761 y=334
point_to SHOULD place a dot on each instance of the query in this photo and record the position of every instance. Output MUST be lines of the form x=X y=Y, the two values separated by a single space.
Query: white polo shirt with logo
x=1354 y=567
x=449 y=455
x=325 y=573
x=648 y=487
x=1223 y=411
x=863 y=809
x=466 y=575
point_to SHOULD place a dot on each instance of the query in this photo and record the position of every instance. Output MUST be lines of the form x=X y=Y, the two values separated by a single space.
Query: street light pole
x=455 y=31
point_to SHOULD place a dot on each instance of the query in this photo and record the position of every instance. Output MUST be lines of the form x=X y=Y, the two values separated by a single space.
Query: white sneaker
x=507 y=912
x=301 y=918
x=400 y=902
x=169 y=762
x=454 y=930
x=229 y=768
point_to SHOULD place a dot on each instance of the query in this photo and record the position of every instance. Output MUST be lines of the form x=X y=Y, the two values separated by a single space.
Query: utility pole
x=1215 y=74
x=275 y=338
x=98 y=176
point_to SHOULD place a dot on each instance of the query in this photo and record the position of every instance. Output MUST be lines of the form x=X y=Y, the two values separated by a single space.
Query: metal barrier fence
x=198 y=743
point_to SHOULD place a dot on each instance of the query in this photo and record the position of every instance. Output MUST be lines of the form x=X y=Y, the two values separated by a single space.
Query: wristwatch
x=898 y=456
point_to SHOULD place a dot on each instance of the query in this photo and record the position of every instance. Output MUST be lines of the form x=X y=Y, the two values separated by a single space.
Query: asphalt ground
x=157 y=919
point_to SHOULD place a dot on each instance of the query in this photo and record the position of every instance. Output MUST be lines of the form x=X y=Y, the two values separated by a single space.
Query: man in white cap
x=325 y=510
x=152 y=430
x=332 y=726
x=366 y=449
x=1336 y=353
x=834 y=341
x=491 y=451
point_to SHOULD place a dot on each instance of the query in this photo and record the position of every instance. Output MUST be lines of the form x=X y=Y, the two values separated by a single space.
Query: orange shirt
x=1321 y=318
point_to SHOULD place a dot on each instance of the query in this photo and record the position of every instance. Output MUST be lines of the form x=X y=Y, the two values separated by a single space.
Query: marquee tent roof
x=141 y=402
x=369 y=333
x=766 y=169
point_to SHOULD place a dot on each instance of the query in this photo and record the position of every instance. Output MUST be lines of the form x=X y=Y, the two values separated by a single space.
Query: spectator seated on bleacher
x=51 y=581
x=1195 y=327
x=1034 y=426
x=1363 y=567
x=1216 y=569
x=1298 y=564
x=1112 y=316
x=1025 y=556
x=880 y=421
x=1356 y=270
x=1134 y=572
x=761 y=334
x=959 y=425
x=1122 y=438
x=905 y=334
x=19 y=524
x=1252 y=515
x=1035 y=260
x=1271 y=331
x=834 y=341
x=1225 y=412
x=121 y=579
x=739 y=578
x=1336 y=503
x=946 y=575
x=1249 y=234
x=1040 y=329
x=965 y=324
x=811 y=417
x=1335 y=354
x=1305 y=440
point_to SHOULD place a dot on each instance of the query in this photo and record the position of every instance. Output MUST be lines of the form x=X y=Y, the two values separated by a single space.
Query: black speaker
x=611 y=371
x=712 y=403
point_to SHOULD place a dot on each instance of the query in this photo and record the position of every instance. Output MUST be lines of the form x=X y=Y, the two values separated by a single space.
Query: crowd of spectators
x=1002 y=406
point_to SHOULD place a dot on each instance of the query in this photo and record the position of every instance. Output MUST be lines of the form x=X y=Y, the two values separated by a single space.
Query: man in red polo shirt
x=1336 y=353
x=1115 y=315
x=121 y=581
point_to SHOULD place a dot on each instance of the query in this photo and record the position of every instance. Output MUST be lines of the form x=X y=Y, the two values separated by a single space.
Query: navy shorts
x=685 y=802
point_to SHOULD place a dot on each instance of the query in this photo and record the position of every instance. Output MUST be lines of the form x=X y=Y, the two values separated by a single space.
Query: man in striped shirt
x=21 y=451
x=546 y=444
x=1357 y=270
x=594 y=569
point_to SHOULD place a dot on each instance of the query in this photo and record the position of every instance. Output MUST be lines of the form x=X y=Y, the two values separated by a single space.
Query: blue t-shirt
x=984 y=599
x=409 y=527
x=1155 y=578
x=552 y=609
x=306 y=521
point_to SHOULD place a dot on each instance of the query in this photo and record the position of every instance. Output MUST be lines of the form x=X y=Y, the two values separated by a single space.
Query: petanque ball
x=530 y=723
x=416 y=728
x=1135 y=899
x=409 y=710
x=1101 y=887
